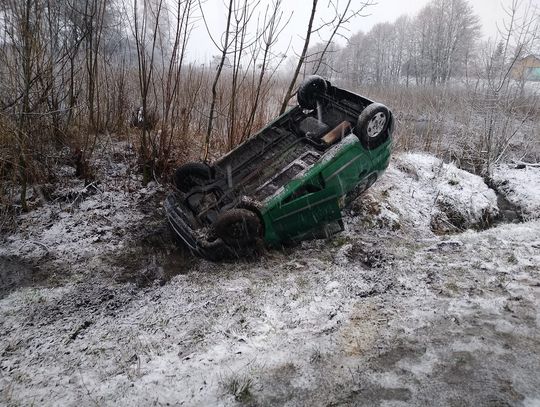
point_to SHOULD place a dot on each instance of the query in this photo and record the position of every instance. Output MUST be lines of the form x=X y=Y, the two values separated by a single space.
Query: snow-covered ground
x=413 y=304
x=521 y=186
x=419 y=192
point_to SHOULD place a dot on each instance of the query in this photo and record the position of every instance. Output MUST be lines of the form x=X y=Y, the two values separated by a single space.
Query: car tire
x=191 y=175
x=310 y=91
x=373 y=125
x=217 y=250
x=238 y=228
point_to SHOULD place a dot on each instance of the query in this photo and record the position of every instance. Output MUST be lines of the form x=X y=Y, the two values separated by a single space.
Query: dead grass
x=456 y=123
x=465 y=123
x=239 y=386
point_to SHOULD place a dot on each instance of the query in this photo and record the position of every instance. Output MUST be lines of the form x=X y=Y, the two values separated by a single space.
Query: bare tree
x=23 y=36
x=243 y=14
x=170 y=76
x=224 y=48
x=447 y=29
x=272 y=27
x=504 y=105
x=342 y=17
x=301 y=59
x=146 y=23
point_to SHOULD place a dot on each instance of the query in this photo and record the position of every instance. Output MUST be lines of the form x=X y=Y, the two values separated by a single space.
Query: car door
x=347 y=169
x=305 y=213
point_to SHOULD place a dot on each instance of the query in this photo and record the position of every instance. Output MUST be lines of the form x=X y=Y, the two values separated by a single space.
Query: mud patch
x=389 y=359
x=371 y=395
x=89 y=299
x=360 y=333
x=384 y=393
x=370 y=257
x=472 y=383
x=15 y=273
x=508 y=211
x=153 y=257
x=520 y=185
x=450 y=219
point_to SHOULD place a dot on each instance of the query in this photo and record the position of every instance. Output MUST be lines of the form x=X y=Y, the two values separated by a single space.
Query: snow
x=424 y=194
x=82 y=221
x=389 y=312
x=521 y=186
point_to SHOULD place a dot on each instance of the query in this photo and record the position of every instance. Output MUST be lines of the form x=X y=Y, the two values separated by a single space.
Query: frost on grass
x=521 y=186
x=77 y=223
x=374 y=316
x=420 y=191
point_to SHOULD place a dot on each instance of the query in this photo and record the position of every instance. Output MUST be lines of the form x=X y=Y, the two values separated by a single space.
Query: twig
x=518 y=162
x=43 y=246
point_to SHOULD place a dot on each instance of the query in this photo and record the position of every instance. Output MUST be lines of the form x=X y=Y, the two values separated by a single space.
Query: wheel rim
x=376 y=125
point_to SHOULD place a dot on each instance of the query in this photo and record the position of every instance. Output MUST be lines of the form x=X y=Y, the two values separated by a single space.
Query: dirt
x=377 y=315
x=508 y=212
x=16 y=273
x=153 y=257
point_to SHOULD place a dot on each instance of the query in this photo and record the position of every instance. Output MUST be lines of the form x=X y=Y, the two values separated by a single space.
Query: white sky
x=201 y=47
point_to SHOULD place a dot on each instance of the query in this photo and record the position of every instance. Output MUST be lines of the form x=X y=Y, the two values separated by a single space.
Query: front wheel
x=238 y=227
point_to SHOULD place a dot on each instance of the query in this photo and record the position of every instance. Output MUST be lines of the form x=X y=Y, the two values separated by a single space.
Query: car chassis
x=288 y=182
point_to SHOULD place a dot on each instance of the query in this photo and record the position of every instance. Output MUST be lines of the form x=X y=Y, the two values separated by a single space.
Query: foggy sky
x=490 y=13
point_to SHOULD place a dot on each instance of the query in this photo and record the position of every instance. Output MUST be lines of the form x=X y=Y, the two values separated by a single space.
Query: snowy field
x=429 y=297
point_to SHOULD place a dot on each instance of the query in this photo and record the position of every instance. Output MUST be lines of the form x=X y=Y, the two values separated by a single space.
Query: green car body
x=338 y=172
x=289 y=181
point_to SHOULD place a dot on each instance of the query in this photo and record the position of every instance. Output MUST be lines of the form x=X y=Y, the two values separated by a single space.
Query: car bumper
x=179 y=223
x=182 y=228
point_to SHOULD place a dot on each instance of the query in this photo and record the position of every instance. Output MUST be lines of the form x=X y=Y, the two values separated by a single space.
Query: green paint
x=306 y=203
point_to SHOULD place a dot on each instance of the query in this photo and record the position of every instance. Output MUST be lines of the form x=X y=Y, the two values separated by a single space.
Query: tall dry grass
x=465 y=124
x=67 y=136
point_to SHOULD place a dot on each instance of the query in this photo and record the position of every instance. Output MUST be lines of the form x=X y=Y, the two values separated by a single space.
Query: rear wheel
x=310 y=91
x=372 y=125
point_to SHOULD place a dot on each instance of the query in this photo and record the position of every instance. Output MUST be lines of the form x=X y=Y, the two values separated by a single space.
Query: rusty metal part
x=337 y=133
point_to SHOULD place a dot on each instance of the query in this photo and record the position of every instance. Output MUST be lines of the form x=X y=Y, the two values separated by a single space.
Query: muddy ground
x=99 y=307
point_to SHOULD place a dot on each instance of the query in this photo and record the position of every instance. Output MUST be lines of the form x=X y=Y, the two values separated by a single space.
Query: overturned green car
x=288 y=182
